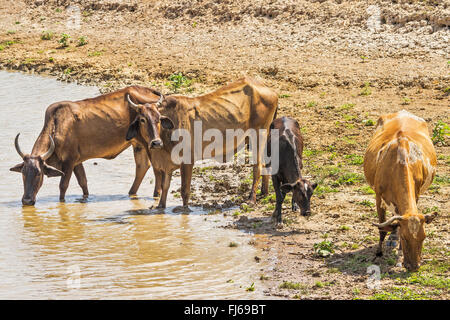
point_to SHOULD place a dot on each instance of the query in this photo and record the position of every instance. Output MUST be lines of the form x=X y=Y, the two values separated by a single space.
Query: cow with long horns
x=74 y=132
x=400 y=164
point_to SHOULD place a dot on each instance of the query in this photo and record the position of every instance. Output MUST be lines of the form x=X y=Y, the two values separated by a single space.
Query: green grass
x=427 y=280
x=6 y=44
x=292 y=285
x=354 y=159
x=320 y=284
x=366 y=91
x=176 y=81
x=349 y=178
x=47 y=35
x=269 y=199
x=368 y=122
x=95 y=53
x=406 y=101
x=367 y=203
x=82 y=41
x=311 y=104
x=233 y=244
x=348 y=140
x=324 y=248
x=347 y=106
x=440 y=131
x=63 y=41
x=357 y=262
x=311 y=152
x=366 y=190
x=236 y=213
x=251 y=288
x=322 y=189
x=403 y=293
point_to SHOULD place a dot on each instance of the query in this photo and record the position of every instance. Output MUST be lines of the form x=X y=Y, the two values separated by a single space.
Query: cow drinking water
x=289 y=178
x=74 y=132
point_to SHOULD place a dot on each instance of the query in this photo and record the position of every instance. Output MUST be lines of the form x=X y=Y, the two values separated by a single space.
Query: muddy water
x=109 y=246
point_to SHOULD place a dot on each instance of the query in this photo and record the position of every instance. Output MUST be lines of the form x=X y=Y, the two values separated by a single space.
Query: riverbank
x=335 y=73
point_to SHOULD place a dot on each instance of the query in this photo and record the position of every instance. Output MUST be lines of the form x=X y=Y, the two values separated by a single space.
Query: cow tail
x=275 y=114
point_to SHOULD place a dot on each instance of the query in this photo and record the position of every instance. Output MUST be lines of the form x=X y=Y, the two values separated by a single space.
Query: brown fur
x=82 y=130
x=243 y=104
x=399 y=165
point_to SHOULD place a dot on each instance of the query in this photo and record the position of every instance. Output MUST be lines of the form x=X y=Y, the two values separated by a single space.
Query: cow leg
x=265 y=185
x=186 y=177
x=158 y=182
x=259 y=149
x=392 y=241
x=294 y=205
x=166 y=177
x=280 y=195
x=142 y=165
x=67 y=168
x=381 y=218
x=256 y=177
x=80 y=174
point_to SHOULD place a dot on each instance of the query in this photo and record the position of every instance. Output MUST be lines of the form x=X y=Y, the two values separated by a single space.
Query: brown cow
x=288 y=177
x=244 y=104
x=400 y=164
x=74 y=132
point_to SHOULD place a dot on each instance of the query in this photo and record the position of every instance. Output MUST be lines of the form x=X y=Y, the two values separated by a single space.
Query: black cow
x=289 y=178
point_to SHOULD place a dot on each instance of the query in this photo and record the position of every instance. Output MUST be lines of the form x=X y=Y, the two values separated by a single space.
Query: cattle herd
x=399 y=164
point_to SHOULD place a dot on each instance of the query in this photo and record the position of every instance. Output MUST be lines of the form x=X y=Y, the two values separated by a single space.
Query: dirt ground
x=337 y=65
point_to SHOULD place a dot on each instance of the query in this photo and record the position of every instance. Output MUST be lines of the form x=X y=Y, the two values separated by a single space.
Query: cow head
x=148 y=123
x=33 y=169
x=412 y=235
x=302 y=191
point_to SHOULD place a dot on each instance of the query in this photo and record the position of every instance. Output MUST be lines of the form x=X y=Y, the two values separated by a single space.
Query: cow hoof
x=183 y=209
x=294 y=207
x=279 y=225
x=391 y=243
x=379 y=254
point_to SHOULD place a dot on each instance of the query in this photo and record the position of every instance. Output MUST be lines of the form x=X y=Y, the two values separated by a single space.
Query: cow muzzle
x=28 y=201
x=156 y=144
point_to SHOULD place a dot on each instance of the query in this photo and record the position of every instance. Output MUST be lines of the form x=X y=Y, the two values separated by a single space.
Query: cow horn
x=133 y=105
x=160 y=100
x=16 y=144
x=49 y=152
x=388 y=223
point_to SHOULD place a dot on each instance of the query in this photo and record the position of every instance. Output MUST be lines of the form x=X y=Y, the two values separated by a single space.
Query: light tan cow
x=399 y=165
x=244 y=104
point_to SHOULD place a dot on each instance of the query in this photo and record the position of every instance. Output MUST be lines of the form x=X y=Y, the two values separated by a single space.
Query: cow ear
x=132 y=130
x=17 y=167
x=287 y=187
x=52 y=172
x=166 y=123
x=390 y=228
x=430 y=217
